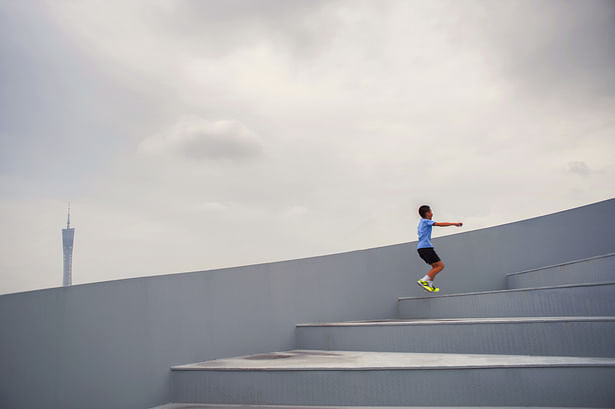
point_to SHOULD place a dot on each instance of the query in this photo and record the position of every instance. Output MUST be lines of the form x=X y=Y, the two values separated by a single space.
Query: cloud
x=552 y=48
x=300 y=25
x=296 y=211
x=252 y=131
x=203 y=139
x=209 y=207
x=579 y=167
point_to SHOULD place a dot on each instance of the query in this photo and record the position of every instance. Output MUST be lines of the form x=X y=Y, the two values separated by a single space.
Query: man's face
x=429 y=214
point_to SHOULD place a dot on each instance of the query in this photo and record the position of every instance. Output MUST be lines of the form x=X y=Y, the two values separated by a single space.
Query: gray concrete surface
x=109 y=345
x=231 y=406
x=564 y=336
x=588 y=270
x=373 y=378
x=565 y=300
x=323 y=360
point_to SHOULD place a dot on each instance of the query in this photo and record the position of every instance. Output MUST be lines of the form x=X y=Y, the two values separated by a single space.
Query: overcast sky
x=191 y=135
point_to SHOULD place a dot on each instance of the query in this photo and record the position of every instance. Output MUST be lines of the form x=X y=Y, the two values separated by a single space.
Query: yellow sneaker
x=425 y=286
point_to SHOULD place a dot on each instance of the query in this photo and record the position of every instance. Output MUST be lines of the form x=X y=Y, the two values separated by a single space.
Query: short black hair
x=423 y=210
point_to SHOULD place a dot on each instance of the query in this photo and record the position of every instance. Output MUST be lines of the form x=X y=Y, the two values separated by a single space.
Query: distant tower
x=68 y=235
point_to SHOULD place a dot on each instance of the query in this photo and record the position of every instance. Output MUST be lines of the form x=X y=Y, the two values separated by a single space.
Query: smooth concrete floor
x=301 y=360
x=507 y=291
x=439 y=321
x=221 y=406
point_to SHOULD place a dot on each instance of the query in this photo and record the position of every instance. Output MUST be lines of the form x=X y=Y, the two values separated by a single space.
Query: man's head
x=425 y=212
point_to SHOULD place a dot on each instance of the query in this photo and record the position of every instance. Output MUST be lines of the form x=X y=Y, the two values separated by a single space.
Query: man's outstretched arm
x=448 y=224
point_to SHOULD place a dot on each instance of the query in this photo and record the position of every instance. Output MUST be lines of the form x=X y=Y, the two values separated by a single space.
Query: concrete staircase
x=546 y=341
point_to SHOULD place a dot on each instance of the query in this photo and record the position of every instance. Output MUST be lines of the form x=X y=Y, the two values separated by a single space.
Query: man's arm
x=448 y=224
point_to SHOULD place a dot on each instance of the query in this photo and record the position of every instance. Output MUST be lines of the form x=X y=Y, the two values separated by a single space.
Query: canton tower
x=68 y=235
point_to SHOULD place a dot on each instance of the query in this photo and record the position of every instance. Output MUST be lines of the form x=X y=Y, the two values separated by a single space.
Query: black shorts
x=428 y=255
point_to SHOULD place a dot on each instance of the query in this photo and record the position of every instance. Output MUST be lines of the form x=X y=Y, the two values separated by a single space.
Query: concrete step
x=563 y=336
x=239 y=406
x=588 y=270
x=596 y=299
x=346 y=378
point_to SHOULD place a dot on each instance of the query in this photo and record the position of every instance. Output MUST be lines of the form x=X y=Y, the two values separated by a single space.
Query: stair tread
x=508 y=291
x=298 y=360
x=453 y=321
x=247 y=406
x=576 y=261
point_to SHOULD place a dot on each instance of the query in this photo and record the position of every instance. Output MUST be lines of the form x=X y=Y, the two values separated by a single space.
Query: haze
x=191 y=135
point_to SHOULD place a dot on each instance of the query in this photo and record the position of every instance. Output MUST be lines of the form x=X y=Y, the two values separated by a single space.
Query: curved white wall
x=110 y=345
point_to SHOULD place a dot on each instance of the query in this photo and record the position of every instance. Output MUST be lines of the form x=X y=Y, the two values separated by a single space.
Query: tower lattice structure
x=68 y=237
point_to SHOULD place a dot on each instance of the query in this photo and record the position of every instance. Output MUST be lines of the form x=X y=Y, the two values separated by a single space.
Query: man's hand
x=458 y=224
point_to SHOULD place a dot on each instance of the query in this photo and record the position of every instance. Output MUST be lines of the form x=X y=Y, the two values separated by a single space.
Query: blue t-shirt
x=424 y=231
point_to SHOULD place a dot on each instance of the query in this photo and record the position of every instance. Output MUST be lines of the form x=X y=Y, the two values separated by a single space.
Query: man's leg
x=435 y=269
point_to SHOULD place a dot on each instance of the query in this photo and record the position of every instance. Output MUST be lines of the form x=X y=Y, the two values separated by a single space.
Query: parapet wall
x=110 y=344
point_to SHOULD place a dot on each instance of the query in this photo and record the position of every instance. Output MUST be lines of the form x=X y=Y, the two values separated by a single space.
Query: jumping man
x=426 y=250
